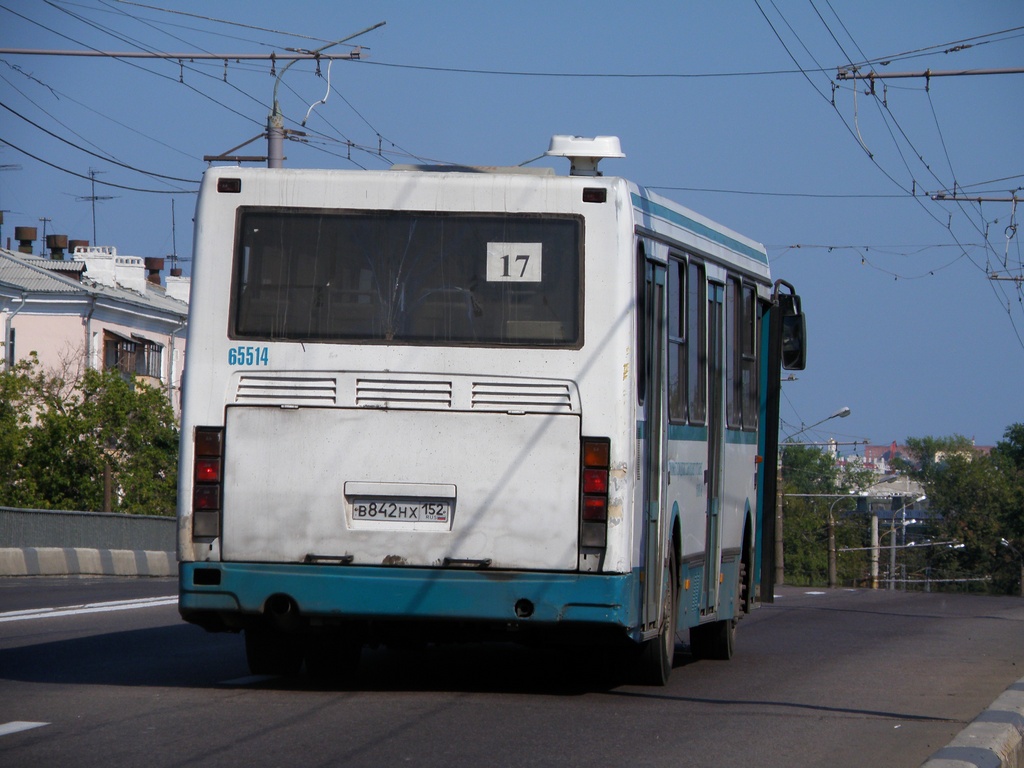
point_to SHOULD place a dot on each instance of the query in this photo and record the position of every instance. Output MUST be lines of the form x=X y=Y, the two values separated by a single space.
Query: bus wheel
x=658 y=654
x=713 y=640
x=332 y=657
x=272 y=652
x=716 y=639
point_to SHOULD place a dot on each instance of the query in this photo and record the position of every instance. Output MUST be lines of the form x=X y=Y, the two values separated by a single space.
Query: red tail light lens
x=206 y=498
x=595 y=457
x=207 y=470
x=208 y=447
x=595 y=508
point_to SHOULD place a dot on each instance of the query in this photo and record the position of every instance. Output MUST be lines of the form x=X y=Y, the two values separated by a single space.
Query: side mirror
x=794 y=348
x=794 y=333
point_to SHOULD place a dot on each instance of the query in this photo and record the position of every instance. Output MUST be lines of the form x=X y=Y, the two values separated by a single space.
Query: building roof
x=24 y=273
x=62 y=266
x=21 y=273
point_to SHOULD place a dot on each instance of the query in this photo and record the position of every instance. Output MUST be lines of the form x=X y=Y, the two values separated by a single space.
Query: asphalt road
x=833 y=678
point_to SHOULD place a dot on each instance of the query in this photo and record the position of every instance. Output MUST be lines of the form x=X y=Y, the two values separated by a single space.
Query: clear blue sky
x=728 y=108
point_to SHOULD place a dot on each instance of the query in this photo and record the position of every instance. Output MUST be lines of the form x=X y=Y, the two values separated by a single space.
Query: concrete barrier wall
x=97 y=530
x=41 y=542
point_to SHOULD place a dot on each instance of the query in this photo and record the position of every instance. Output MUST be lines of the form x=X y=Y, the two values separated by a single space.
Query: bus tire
x=714 y=640
x=272 y=652
x=658 y=654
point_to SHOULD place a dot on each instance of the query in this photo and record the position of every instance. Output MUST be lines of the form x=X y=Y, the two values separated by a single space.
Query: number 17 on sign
x=514 y=262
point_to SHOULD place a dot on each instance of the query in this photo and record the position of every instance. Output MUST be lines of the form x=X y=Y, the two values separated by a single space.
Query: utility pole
x=275 y=123
x=853 y=73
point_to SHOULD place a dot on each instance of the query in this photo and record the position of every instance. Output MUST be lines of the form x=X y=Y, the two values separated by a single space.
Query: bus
x=440 y=403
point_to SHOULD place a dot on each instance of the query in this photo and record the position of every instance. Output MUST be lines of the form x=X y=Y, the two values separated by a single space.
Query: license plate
x=401 y=511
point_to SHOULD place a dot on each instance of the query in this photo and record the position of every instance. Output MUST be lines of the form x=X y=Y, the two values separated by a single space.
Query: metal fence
x=96 y=530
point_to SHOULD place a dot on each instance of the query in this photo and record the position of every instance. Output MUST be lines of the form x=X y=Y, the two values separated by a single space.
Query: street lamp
x=842 y=413
x=1015 y=551
x=832 y=565
x=892 y=541
x=780 y=566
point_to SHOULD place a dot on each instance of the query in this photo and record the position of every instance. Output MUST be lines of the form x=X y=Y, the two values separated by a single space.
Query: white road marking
x=6 y=729
x=75 y=610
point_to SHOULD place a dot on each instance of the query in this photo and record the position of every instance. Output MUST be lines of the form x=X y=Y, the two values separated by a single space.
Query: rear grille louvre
x=286 y=389
x=504 y=395
x=404 y=393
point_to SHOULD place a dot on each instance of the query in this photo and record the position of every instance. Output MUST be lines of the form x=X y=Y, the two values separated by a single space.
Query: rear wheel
x=658 y=654
x=272 y=652
x=717 y=639
x=714 y=640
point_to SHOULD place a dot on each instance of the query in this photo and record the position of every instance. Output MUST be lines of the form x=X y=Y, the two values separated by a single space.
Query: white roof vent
x=585 y=153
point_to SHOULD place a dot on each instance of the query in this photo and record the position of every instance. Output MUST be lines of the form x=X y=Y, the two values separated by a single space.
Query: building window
x=148 y=358
x=119 y=354
x=135 y=356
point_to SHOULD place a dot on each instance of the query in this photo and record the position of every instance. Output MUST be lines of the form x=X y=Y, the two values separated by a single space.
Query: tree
x=979 y=500
x=98 y=442
x=814 y=487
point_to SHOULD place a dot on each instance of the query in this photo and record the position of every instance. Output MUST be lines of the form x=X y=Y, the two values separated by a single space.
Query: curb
x=994 y=740
x=71 y=561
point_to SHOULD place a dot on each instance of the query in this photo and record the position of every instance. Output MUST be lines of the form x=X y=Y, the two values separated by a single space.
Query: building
x=97 y=309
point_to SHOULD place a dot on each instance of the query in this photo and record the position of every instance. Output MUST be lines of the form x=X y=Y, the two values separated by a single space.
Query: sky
x=736 y=110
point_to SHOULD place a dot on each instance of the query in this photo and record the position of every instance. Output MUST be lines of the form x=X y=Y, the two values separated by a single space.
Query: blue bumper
x=243 y=589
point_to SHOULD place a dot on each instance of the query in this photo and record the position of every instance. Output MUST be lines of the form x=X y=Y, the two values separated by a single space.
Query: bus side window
x=697 y=346
x=749 y=350
x=677 y=341
x=741 y=355
x=641 y=323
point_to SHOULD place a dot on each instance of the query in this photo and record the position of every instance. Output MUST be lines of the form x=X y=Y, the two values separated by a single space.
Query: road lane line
x=6 y=729
x=76 y=610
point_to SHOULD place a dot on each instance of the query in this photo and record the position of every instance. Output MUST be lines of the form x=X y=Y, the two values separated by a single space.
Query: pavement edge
x=995 y=739
x=68 y=561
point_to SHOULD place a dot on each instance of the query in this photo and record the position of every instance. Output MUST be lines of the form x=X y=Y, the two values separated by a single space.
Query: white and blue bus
x=453 y=402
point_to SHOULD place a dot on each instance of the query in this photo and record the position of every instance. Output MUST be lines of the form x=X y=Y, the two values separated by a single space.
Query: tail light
x=207 y=481
x=594 y=482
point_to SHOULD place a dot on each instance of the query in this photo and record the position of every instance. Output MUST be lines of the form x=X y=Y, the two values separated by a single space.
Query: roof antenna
x=584 y=154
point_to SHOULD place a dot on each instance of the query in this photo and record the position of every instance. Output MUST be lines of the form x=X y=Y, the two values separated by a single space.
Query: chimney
x=25 y=237
x=153 y=266
x=73 y=244
x=57 y=244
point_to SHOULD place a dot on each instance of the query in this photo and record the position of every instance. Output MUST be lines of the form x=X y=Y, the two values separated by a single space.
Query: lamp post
x=780 y=566
x=892 y=541
x=832 y=558
x=1020 y=557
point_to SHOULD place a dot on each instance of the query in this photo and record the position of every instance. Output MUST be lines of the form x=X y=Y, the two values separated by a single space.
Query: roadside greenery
x=91 y=442
x=974 y=499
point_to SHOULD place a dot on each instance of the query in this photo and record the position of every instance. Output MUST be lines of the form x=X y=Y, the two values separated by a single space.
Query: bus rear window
x=408 y=277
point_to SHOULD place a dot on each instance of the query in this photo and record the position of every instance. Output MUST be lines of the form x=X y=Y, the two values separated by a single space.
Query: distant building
x=880 y=458
x=95 y=310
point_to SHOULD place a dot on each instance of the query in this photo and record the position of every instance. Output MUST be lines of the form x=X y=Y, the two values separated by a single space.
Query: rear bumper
x=229 y=593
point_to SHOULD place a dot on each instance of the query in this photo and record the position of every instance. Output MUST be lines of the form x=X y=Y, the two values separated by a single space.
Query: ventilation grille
x=286 y=389
x=404 y=393
x=513 y=396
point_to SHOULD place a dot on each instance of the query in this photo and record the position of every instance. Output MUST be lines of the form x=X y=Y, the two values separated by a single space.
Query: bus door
x=653 y=442
x=716 y=445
